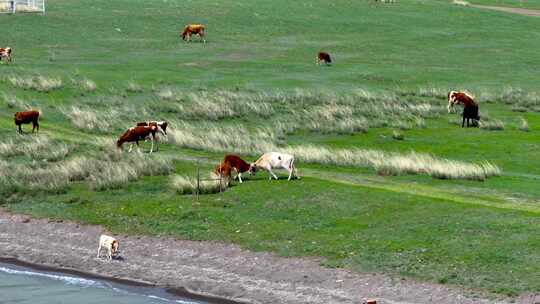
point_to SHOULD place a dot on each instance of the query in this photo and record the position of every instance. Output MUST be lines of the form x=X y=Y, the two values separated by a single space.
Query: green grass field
x=255 y=85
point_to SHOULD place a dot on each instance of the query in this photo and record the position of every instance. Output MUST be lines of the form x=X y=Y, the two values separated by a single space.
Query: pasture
x=390 y=181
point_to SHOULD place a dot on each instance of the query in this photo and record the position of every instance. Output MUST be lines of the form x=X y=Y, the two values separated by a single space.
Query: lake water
x=22 y=285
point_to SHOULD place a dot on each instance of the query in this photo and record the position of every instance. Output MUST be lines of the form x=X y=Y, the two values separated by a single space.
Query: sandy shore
x=211 y=269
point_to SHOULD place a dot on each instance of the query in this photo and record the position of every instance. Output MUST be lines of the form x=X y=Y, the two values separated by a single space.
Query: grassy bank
x=391 y=182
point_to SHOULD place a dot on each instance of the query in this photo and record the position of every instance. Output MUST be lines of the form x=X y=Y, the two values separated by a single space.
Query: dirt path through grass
x=211 y=268
x=513 y=10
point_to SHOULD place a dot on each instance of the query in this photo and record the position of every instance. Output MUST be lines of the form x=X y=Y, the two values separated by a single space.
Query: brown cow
x=232 y=162
x=193 y=29
x=323 y=57
x=27 y=117
x=137 y=134
x=5 y=53
x=470 y=108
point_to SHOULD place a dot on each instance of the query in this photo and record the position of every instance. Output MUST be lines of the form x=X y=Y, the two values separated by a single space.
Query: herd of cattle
x=149 y=130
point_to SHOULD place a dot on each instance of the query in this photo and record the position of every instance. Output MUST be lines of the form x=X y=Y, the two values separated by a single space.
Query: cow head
x=114 y=247
x=451 y=100
x=163 y=125
x=252 y=169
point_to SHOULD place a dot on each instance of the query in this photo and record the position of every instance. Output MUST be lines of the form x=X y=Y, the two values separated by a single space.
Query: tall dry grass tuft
x=13 y=102
x=108 y=171
x=38 y=83
x=396 y=164
x=37 y=147
x=235 y=138
x=87 y=85
x=188 y=185
x=89 y=120
x=133 y=87
x=460 y=2
x=491 y=125
x=524 y=125
x=240 y=140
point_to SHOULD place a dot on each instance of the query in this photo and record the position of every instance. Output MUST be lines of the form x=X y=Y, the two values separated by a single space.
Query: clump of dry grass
x=13 y=102
x=38 y=83
x=395 y=164
x=240 y=140
x=36 y=147
x=87 y=85
x=222 y=139
x=397 y=135
x=165 y=94
x=108 y=171
x=460 y=2
x=87 y=119
x=133 y=87
x=491 y=125
x=524 y=125
x=188 y=185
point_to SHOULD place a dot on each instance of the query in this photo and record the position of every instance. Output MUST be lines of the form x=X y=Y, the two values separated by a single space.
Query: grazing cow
x=27 y=117
x=232 y=162
x=470 y=108
x=110 y=243
x=271 y=160
x=5 y=53
x=193 y=29
x=136 y=134
x=323 y=57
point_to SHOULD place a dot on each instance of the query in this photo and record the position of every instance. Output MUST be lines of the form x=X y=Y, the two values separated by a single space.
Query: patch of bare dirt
x=212 y=268
x=513 y=10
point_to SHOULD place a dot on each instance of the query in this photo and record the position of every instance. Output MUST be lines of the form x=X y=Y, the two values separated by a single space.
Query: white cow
x=271 y=160
x=110 y=243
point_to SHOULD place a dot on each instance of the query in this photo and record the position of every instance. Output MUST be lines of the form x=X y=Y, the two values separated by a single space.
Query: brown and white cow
x=470 y=107
x=5 y=53
x=232 y=162
x=109 y=243
x=136 y=134
x=27 y=117
x=193 y=29
x=323 y=57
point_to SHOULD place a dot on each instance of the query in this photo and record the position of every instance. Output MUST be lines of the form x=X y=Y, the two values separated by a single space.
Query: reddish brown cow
x=232 y=162
x=26 y=118
x=323 y=57
x=470 y=108
x=5 y=53
x=193 y=29
x=137 y=134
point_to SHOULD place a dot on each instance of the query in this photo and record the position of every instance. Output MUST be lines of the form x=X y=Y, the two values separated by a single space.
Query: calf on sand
x=110 y=243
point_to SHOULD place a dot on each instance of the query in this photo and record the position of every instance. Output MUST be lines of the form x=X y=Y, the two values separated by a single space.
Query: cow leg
x=37 y=125
x=271 y=174
x=130 y=147
x=463 y=123
x=20 y=129
x=239 y=176
x=98 y=250
x=152 y=148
